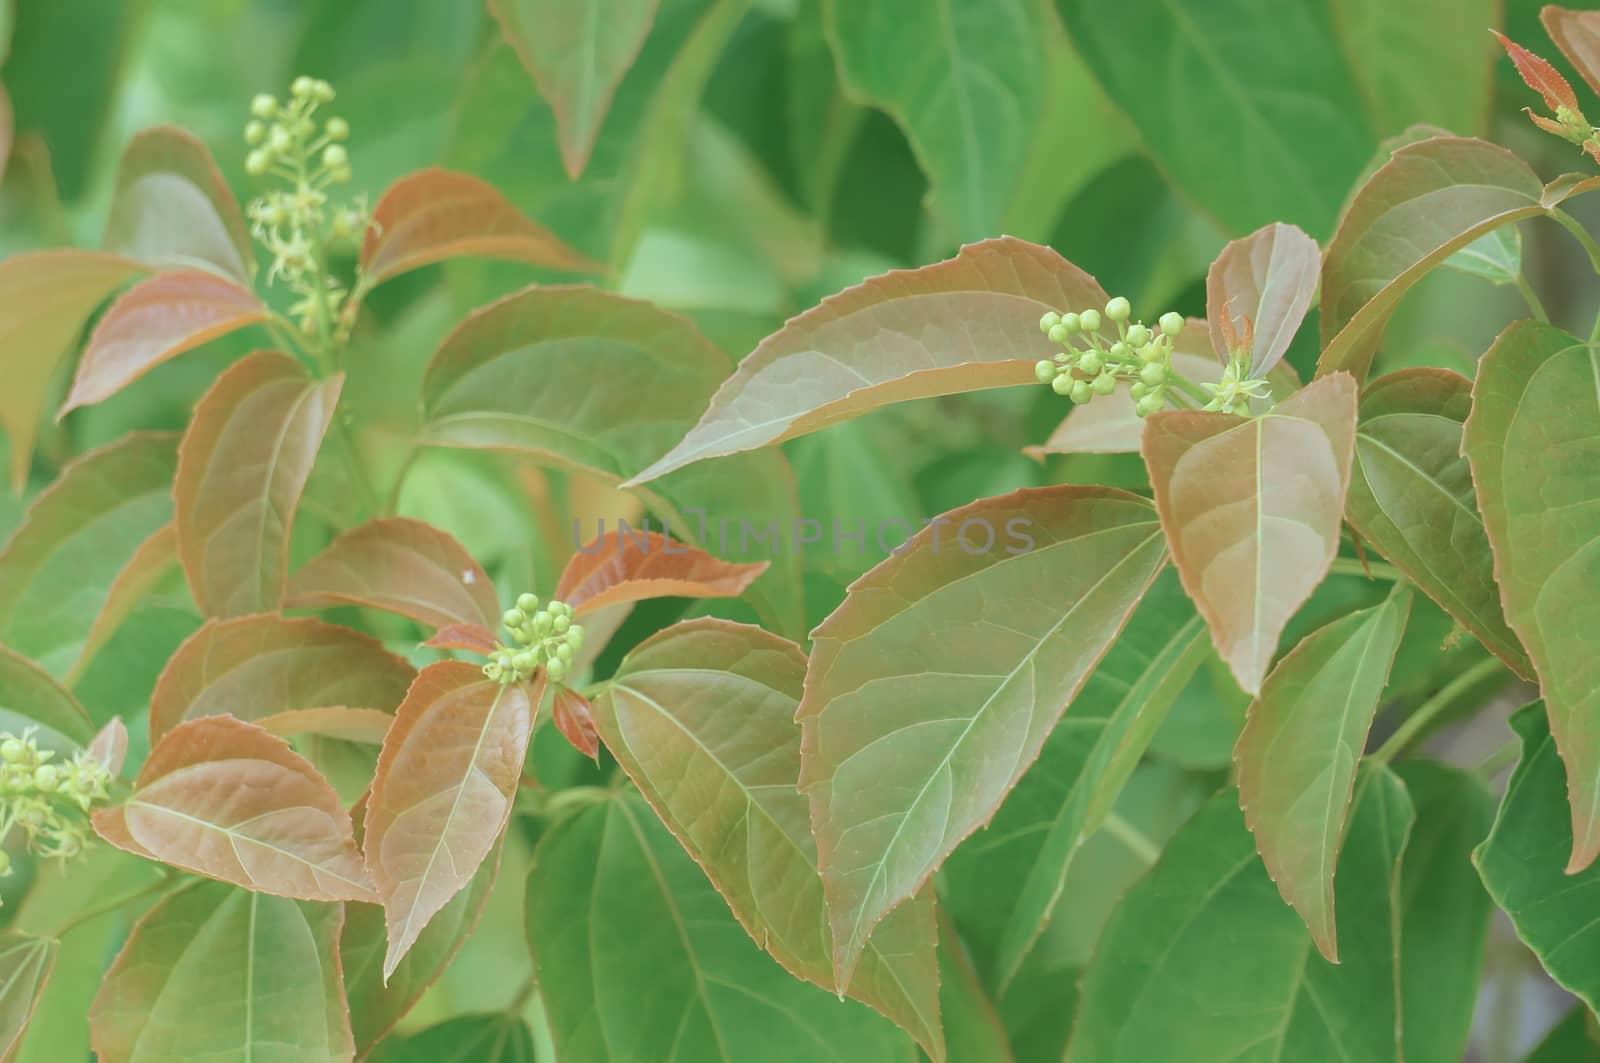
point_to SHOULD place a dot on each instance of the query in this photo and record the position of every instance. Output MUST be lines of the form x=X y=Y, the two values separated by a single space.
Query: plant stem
x=1531 y=297
x=1350 y=566
x=1429 y=710
x=114 y=903
x=1132 y=838
x=1189 y=388
x=1579 y=233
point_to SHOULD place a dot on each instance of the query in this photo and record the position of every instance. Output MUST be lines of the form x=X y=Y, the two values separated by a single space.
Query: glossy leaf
x=62 y=566
x=933 y=687
x=577 y=53
x=714 y=702
x=1261 y=287
x=242 y=466
x=490 y=1037
x=965 y=79
x=1412 y=497
x=1430 y=200
x=634 y=950
x=225 y=799
x=435 y=214
x=46 y=297
x=1208 y=898
x=1302 y=743
x=215 y=972
x=1577 y=34
x=631 y=567
x=1534 y=442
x=155 y=320
x=403 y=566
x=1251 y=508
x=1444 y=911
x=573 y=716
x=171 y=207
x=367 y=726
x=966 y=323
x=1005 y=881
x=442 y=793
x=257 y=666
x=25 y=965
x=30 y=697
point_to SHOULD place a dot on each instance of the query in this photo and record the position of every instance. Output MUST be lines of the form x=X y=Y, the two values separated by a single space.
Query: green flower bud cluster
x=1232 y=394
x=297 y=223
x=1091 y=363
x=47 y=799
x=544 y=637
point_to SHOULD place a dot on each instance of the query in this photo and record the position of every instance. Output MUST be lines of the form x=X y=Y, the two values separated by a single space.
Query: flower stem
x=1429 y=710
x=1531 y=297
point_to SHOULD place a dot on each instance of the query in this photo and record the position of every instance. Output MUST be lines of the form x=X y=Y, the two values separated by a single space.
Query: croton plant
x=752 y=838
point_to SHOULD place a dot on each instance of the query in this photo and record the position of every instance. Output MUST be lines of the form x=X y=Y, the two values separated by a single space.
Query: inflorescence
x=1091 y=364
x=544 y=637
x=47 y=799
x=297 y=224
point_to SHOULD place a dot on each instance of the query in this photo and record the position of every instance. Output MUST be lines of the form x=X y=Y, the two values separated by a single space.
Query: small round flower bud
x=1151 y=403
x=1045 y=370
x=1062 y=385
x=1090 y=363
x=1059 y=334
x=1049 y=321
x=557 y=670
x=1118 y=309
x=1138 y=335
x=303 y=86
x=1154 y=374
x=337 y=129
x=1172 y=323
x=1120 y=351
x=47 y=777
x=525 y=662
x=323 y=92
x=256 y=163
x=12 y=750
x=564 y=653
x=1152 y=352
x=279 y=140
x=1104 y=384
x=263 y=106
x=514 y=618
x=560 y=624
x=1072 y=322
x=334 y=156
x=541 y=624
x=575 y=637
x=255 y=133
x=1139 y=390
x=1081 y=392
x=1090 y=320
x=528 y=603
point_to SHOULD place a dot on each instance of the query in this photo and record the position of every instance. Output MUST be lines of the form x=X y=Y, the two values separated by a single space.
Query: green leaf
x=1412 y=497
x=577 y=54
x=442 y=793
x=1005 y=881
x=59 y=569
x=1444 y=911
x=1209 y=902
x=492 y=1037
x=155 y=320
x=634 y=950
x=1430 y=200
x=282 y=829
x=1258 y=291
x=1300 y=748
x=1496 y=256
x=25 y=965
x=1523 y=863
x=1426 y=61
x=46 y=297
x=171 y=207
x=972 y=1028
x=1252 y=508
x=714 y=701
x=153 y=564
x=1572 y=1041
x=1534 y=442
x=220 y=973
x=935 y=684
x=1290 y=135
x=30 y=697
x=242 y=466
x=253 y=667
x=966 y=80
x=966 y=323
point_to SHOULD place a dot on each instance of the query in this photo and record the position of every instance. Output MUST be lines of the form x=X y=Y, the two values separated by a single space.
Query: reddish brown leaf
x=443 y=791
x=257 y=666
x=574 y=718
x=473 y=638
x=1261 y=285
x=45 y=298
x=155 y=320
x=437 y=214
x=172 y=207
x=1540 y=76
x=223 y=798
x=110 y=745
x=367 y=726
x=242 y=465
x=403 y=566
x=633 y=566
x=1577 y=34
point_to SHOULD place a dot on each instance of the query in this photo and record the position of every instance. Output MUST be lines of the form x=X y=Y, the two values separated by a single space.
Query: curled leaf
x=1261 y=285
x=110 y=745
x=574 y=718
x=633 y=566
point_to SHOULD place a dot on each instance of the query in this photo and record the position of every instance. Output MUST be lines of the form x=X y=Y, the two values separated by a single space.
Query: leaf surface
x=31 y=697
x=573 y=716
x=489 y=1037
x=1577 y=34
x=1251 y=508
x=157 y=319
x=153 y=563
x=1533 y=439
x=933 y=687
x=367 y=726
x=1261 y=286
x=1427 y=61
x=242 y=466
x=25 y=966
x=606 y=572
